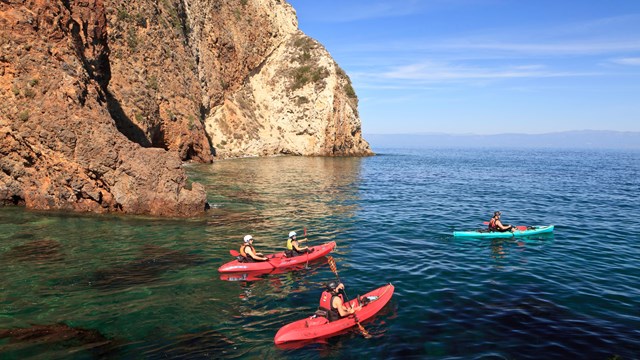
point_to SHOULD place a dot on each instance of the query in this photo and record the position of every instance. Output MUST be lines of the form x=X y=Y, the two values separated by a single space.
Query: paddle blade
x=332 y=264
x=363 y=331
x=234 y=253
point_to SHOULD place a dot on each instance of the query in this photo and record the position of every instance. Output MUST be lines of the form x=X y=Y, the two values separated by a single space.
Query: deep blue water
x=133 y=287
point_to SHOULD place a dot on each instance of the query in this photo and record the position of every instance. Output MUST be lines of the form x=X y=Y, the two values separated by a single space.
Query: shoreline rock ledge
x=102 y=101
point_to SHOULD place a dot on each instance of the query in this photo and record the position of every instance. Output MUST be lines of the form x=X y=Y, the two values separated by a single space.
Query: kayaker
x=249 y=253
x=496 y=225
x=293 y=246
x=332 y=302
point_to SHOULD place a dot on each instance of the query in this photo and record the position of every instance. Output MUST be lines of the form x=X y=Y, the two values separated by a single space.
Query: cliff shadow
x=124 y=124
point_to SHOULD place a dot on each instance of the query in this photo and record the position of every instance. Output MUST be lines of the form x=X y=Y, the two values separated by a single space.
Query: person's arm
x=297 y=248
x=502 y=227
x=257 y=256
x=342 y=307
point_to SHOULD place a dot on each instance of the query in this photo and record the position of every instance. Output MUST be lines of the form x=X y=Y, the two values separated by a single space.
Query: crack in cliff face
x=188 y=22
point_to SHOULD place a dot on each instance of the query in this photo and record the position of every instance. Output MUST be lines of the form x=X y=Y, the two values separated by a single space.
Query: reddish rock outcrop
x=101 y=101
x=59 y=145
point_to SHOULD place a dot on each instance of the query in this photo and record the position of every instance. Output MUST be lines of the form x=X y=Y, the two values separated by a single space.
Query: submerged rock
x=39 y=250
x=154 y=262
x=57 y=340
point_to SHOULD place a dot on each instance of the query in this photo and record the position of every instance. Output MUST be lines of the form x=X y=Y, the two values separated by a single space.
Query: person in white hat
x=293 y=246
x=248 y=252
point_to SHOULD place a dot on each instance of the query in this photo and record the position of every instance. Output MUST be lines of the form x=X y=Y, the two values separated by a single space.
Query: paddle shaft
x=332 y=265
x=334 y=269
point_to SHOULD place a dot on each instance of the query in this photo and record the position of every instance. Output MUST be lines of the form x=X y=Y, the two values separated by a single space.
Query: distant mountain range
x=567 y=139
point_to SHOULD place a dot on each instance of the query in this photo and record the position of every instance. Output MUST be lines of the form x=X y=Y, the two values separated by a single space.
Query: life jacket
x=326 y=304
x=243 y=253
x=492 y=224
x=289 y=245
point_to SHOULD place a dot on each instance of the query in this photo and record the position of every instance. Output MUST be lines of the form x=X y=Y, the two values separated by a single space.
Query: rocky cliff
x=101 y=101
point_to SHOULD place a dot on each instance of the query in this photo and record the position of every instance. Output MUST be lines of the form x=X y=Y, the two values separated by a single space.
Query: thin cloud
x=557 y=49
x=483 y=49
x=627 y=61
x=449 y=72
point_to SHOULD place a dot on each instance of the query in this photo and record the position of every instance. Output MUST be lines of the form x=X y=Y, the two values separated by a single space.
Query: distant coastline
x=597 y=139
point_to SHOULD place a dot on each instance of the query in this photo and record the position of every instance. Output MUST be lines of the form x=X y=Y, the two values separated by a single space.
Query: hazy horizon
x=564 y=139
x=502 y=133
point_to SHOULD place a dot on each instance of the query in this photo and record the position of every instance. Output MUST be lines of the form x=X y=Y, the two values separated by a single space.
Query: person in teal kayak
x=293 y=246
x=249 y=252
x=496 y=225
x=332 y=302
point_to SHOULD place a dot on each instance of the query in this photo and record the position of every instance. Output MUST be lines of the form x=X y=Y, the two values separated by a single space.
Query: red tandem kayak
x=278 y=260
x=319 y=327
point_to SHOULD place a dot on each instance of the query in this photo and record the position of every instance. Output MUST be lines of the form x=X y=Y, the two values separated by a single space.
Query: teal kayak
x=521 y=232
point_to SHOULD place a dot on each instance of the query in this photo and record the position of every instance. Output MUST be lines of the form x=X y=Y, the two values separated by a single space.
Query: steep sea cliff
x=101 y=101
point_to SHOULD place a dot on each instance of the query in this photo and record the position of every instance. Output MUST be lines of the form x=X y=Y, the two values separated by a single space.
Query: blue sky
x=485 y=66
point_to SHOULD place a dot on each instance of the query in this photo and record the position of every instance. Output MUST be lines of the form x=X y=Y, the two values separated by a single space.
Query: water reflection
x=502 y=248
x=260 y=275
x=265 y=193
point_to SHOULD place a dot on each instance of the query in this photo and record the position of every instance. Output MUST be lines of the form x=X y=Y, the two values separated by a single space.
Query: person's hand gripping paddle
x=334 y=269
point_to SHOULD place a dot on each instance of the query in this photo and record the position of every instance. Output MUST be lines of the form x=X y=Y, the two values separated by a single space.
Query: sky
x=485 y=66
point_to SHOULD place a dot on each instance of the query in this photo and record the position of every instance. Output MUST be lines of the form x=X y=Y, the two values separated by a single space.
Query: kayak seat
x=316 y=321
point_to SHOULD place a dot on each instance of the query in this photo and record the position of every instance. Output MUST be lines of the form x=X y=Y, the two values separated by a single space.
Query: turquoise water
x=77 y=286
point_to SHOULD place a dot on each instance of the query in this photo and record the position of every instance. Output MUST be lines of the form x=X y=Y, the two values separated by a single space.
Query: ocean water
x=84 y=287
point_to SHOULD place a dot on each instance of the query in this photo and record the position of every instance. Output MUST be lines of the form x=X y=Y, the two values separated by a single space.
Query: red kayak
x=278 y=260
x=319 y=327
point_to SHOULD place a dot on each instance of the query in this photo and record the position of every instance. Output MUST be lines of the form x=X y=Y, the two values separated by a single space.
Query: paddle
x=305 y=236
x=306 y=265
x=332 y=265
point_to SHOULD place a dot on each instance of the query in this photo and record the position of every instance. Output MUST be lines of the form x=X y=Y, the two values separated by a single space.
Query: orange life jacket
x=244 y=246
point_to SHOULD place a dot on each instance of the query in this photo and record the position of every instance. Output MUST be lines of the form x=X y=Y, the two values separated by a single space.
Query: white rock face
x=297 y=101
